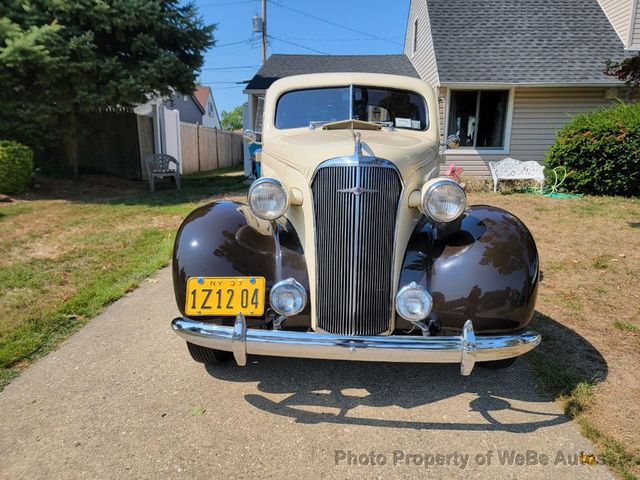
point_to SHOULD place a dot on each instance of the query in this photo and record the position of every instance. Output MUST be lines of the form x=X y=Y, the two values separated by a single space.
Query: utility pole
x=264 y=31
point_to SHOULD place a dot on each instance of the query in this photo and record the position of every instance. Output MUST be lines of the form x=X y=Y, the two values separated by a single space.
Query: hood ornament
x=357 y=190
x=358 y=145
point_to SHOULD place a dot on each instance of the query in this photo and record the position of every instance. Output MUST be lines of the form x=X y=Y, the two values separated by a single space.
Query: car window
x=400 y=108
x=300 y=108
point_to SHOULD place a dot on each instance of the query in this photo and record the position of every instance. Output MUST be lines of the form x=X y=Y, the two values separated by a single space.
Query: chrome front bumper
x=466 y=349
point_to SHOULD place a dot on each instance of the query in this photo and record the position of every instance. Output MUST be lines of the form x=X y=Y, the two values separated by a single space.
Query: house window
x=479 y=117
x=415 y=36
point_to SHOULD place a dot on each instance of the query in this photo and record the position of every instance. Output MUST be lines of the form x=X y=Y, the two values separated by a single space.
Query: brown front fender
x=224 y=239
x=487 y=271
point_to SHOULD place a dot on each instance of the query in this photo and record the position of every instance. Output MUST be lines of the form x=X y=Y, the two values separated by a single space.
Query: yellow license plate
x=225 y=296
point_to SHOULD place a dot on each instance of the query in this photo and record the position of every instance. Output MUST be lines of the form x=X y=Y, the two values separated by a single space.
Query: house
x=508 y=73
x=198 y=108
x=210 y=117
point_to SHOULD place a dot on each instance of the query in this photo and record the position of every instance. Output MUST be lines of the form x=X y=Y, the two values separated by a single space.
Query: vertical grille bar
x=354 y=247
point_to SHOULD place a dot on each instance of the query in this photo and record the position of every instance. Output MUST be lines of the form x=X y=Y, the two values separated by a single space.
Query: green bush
x=16 y=167
x=601 y=151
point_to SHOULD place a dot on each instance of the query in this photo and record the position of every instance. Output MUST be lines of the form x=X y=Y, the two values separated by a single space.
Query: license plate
x=225 y=296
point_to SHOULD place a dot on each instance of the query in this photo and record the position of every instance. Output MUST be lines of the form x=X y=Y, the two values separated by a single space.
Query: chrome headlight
x=413 y=302
x=443 y=200
x=268 y=199
x=288 y=297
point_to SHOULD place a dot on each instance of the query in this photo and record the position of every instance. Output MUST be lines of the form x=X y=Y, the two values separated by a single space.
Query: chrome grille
x=354 y=246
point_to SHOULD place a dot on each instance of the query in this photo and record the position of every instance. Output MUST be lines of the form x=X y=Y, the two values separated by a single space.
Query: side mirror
x=453 y=141
x=250 y=137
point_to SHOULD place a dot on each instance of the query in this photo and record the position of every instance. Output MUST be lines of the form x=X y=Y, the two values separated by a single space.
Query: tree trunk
x=70 y=142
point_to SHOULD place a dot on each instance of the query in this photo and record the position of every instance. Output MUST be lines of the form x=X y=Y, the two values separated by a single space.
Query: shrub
x=16 y=167
x=601 y=151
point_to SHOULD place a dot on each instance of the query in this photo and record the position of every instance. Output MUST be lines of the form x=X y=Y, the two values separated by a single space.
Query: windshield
x=400 y=108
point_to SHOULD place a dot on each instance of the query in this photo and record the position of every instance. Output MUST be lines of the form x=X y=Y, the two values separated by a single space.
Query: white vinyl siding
x=635 y=32
x=538 y=113
x=619 y=13
x=423 y=59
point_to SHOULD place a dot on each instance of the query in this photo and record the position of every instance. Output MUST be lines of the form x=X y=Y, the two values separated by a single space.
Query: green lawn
x=70 y=248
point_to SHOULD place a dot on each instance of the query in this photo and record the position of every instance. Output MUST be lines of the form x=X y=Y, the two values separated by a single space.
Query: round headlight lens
x=444 y=201
x=413 y=302
x=288 y=297
x=267 y=199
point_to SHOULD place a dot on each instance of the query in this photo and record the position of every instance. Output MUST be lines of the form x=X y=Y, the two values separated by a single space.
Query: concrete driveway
x=123 y=399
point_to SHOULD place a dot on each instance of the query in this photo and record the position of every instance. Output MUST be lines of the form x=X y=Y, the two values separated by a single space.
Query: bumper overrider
x=465 y=349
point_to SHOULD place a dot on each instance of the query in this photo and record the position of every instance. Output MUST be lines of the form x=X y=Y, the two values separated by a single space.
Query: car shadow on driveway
x=342 y=392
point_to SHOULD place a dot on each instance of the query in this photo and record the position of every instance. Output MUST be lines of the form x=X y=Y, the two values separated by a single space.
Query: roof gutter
x=530 y=84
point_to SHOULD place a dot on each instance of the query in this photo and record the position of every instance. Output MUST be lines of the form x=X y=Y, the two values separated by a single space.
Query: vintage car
x=350 y=245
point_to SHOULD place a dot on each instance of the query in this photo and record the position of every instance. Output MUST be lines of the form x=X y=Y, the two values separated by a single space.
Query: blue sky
x=385 y=19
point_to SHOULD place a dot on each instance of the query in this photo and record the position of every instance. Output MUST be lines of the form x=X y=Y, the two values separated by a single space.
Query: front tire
x=208 y=356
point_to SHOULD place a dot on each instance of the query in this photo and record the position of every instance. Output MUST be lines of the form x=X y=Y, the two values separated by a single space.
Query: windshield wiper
x=313 y=124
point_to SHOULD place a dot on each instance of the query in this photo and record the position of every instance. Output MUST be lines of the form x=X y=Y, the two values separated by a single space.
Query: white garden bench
x=512 y=169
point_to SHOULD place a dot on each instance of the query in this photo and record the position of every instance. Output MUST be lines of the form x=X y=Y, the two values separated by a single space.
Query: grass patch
x=573 y=385
x=601 y=262
x=625 y=326
x=13 y=210
x=79 y=247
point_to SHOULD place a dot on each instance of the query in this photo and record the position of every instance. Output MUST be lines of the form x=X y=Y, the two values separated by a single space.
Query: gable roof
x=279 y=66
x=523 y=41
x=202 y=94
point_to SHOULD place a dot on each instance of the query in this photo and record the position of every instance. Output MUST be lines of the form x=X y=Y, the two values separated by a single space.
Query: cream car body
x=458 y=283
x=293 y=155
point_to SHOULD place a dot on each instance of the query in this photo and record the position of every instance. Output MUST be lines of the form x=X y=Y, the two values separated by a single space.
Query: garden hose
x=559 y=176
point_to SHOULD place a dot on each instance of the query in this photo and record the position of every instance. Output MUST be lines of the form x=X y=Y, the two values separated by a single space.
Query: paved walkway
x=122 y=399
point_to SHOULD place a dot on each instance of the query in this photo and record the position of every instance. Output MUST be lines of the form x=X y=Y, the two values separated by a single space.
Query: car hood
x=305 y=149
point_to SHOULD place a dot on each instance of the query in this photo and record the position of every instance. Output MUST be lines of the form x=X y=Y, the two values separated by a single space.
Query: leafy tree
x=59 y=58
x=628 y=70
x=233 y=120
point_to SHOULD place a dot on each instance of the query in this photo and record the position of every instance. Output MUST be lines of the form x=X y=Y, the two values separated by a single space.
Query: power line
x=300 y=12
x=241 y=82
x=298 y=45
x=230 y=44
x=224 y=4
x=243 y=67
x=229 y=88
x=315 y=39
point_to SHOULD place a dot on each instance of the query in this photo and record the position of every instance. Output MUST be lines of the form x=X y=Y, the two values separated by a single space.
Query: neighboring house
x=210 y=117
x=199 y=108
x=508 y=73
x=188 y=105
